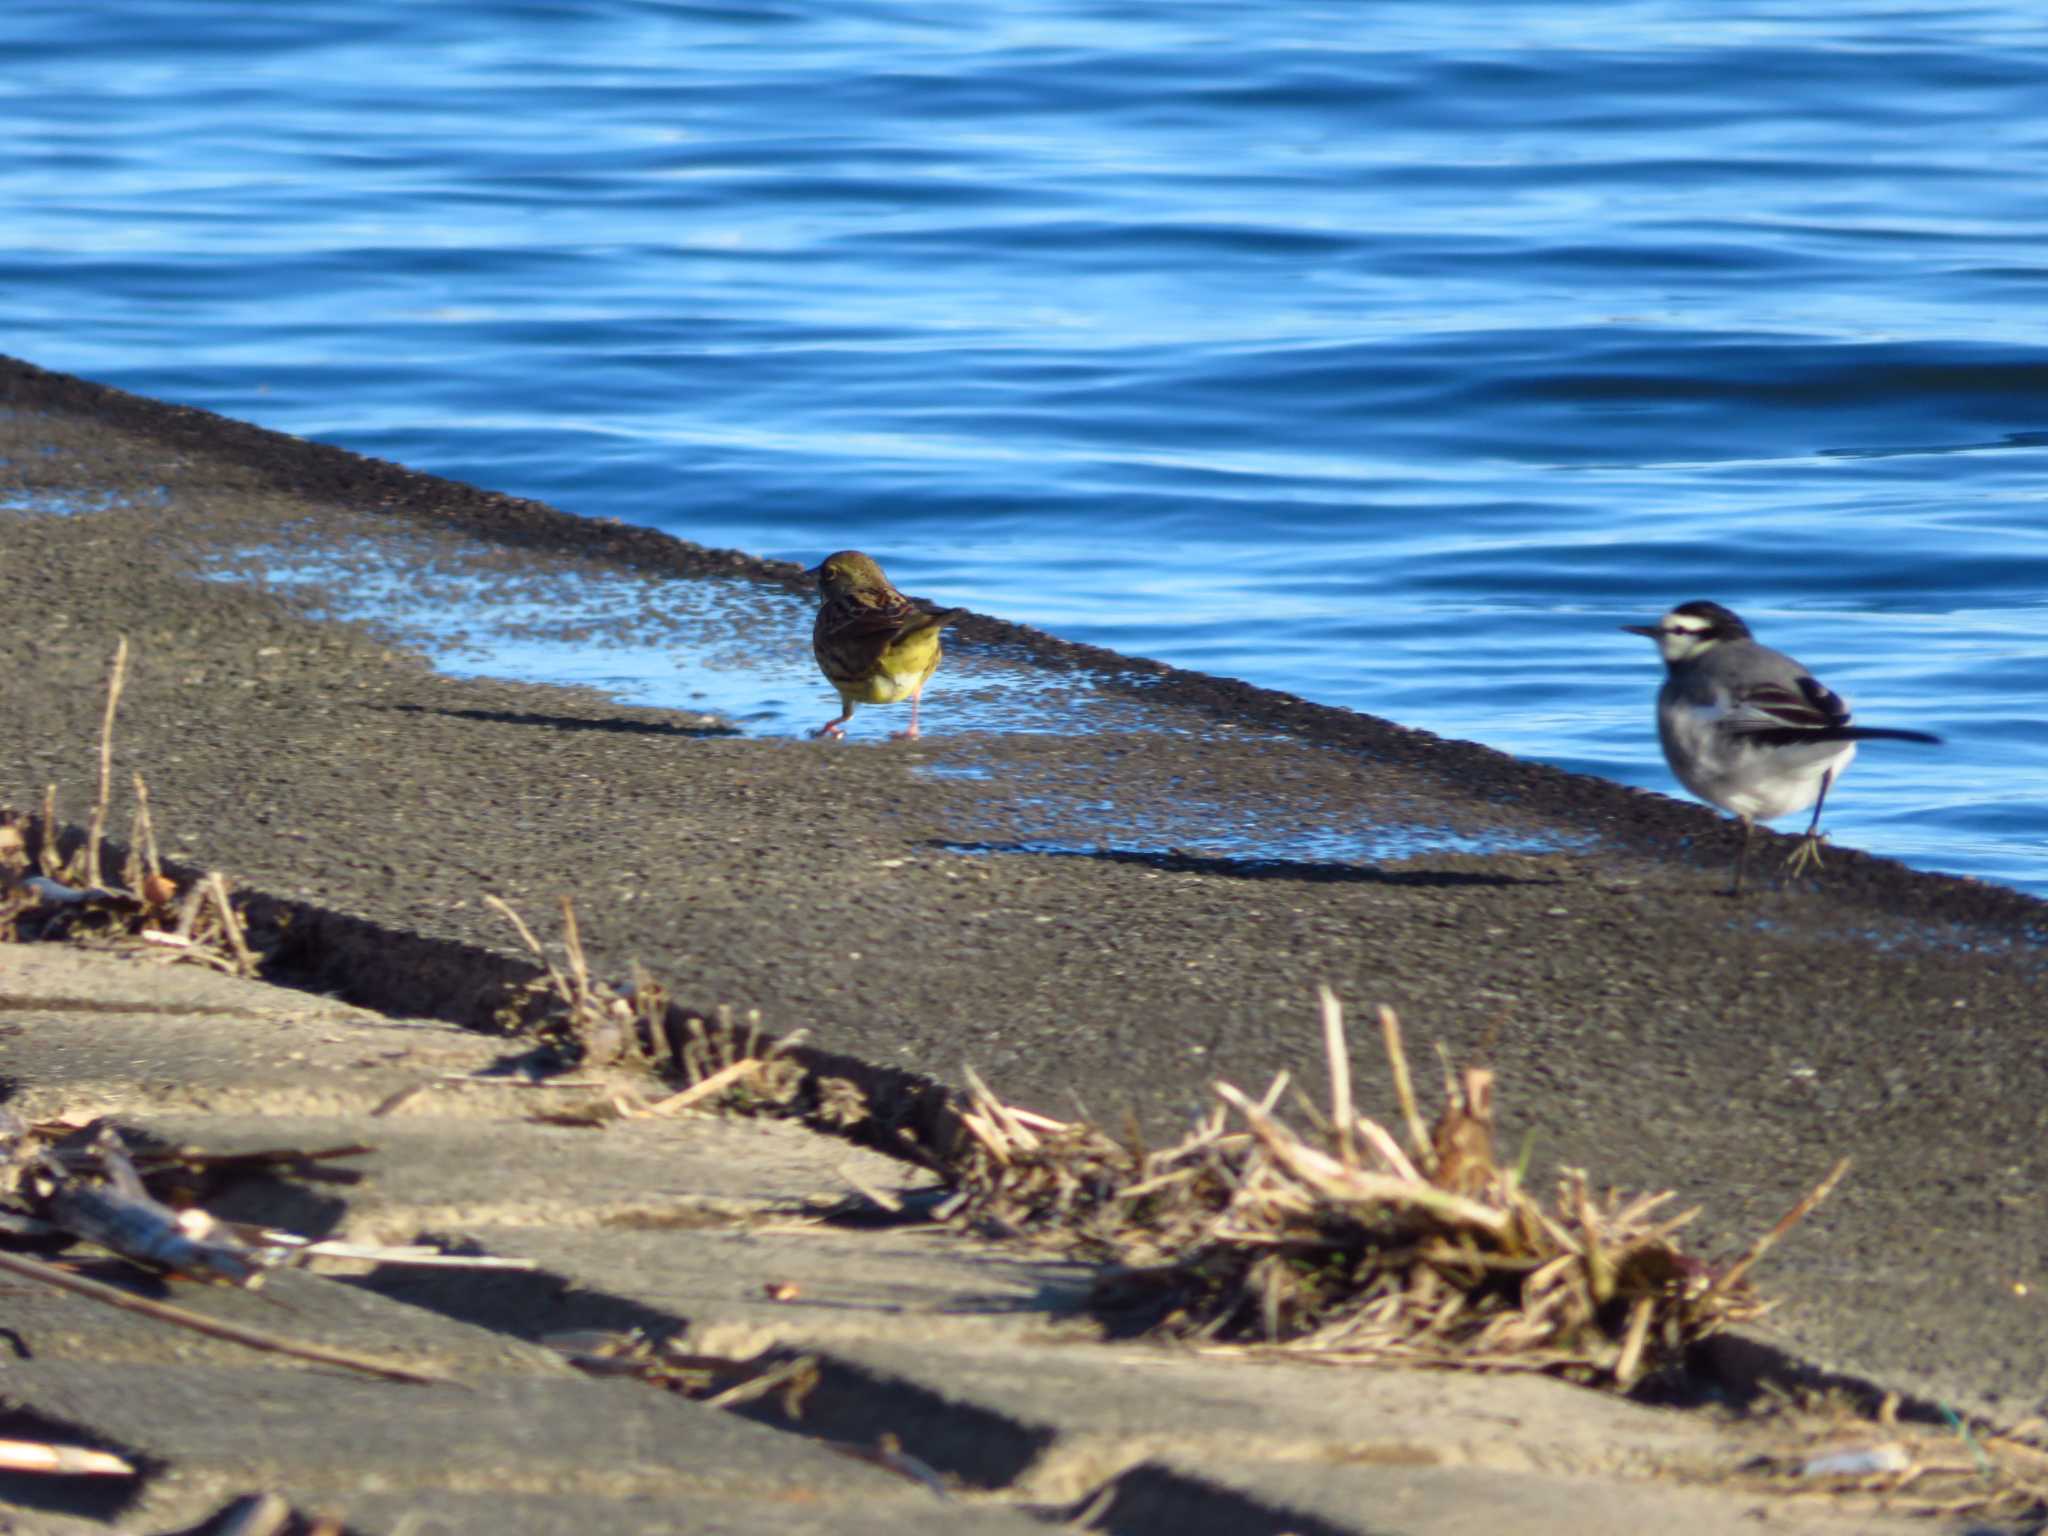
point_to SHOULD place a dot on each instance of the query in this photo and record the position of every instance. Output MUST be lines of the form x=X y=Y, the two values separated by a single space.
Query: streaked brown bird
x=872 y=643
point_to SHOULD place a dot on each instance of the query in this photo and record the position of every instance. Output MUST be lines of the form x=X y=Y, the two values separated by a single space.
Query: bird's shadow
x=570 y=722
x=1245 y=867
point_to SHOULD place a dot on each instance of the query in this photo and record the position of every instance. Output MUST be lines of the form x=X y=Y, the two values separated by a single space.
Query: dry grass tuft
x=54 y=884
x=1342 y=1244
x=589 y=1022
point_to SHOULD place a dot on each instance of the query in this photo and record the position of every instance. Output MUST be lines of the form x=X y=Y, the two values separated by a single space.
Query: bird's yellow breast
x=902 y=668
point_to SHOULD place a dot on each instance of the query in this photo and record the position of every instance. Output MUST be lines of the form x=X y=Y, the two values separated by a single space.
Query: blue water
x=1391 y=354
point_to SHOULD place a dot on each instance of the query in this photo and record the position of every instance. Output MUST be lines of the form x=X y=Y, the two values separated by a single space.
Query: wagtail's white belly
x=1724 y=768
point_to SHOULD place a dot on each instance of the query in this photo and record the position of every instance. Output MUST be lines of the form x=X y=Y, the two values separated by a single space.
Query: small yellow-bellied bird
x=872 y=643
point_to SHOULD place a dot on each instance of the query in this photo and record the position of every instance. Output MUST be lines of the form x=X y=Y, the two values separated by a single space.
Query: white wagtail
x=1748 y=728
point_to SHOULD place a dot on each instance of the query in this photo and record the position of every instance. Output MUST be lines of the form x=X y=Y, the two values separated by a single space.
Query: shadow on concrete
x=567 y=722
x=1317 y=872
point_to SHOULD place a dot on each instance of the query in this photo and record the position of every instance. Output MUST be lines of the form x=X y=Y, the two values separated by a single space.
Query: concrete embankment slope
x=1046 y=905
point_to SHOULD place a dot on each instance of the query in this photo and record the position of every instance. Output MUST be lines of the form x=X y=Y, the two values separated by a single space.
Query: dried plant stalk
x=1339 y=1055
x=1404 y=1087
x=89 y=873
x=253 y=1338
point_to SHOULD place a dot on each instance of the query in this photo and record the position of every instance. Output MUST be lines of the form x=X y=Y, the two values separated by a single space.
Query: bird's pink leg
x=910 y=734
x=836 y=729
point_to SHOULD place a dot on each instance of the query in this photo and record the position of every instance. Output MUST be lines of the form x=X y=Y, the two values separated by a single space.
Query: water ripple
x=1386 y=355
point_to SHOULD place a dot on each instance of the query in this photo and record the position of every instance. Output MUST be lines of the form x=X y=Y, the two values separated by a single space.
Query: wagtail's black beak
x=1643 y=629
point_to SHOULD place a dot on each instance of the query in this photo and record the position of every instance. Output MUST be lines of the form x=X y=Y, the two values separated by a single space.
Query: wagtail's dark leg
x=1742 y=856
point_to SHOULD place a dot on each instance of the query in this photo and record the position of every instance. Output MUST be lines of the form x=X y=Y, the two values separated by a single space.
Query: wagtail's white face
x=1691 y=630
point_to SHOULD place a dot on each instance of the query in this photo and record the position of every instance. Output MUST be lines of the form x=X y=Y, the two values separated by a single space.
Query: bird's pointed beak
x=815 y=571
x=1650 y=630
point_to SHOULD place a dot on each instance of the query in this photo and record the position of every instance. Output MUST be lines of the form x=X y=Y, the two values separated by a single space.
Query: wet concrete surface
x=1117 y=907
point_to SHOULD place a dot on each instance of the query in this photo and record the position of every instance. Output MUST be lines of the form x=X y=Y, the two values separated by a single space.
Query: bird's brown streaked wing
x=887 y=619
x=936 y=620
x=852 y=633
